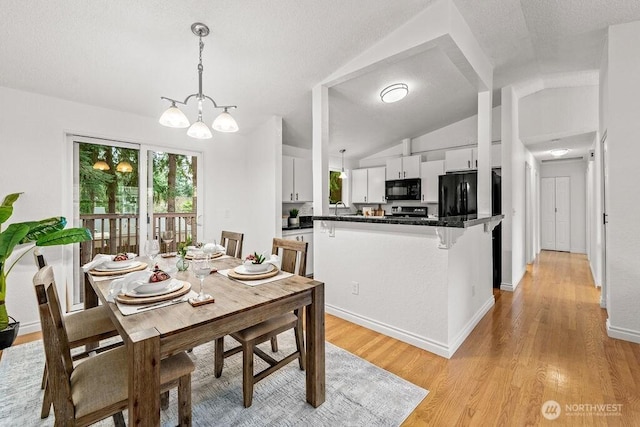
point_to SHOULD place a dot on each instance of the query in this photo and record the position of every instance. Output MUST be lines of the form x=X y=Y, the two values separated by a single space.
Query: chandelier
x=175 y=118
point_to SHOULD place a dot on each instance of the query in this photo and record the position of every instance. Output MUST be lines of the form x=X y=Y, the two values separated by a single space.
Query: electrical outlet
x=355 y=288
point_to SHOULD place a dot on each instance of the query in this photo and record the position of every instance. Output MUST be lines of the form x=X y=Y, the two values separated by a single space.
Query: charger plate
x=125 y=299
x=213 y=256
x=142 y=266
x=231 y=273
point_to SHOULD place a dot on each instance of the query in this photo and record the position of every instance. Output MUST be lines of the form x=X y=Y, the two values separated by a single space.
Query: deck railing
x=113 y=233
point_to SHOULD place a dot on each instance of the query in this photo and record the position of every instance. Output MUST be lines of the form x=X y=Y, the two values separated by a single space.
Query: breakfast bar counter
x=426 y=282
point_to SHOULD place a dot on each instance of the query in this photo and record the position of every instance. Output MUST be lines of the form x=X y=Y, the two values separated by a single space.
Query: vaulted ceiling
x=266 y=55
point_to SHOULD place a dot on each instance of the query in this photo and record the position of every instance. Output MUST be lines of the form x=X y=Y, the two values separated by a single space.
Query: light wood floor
x=546 y=341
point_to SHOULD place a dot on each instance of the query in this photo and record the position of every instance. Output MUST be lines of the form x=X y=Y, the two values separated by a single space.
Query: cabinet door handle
x=291 y=196
x=365 y=198
x=476 y=164
x=296 y=196
x=405 y=174
x=423 y=197
x=468 y=163
x=302 y=238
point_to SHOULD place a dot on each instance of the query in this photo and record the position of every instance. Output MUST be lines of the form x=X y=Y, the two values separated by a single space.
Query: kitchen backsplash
x=304 y=209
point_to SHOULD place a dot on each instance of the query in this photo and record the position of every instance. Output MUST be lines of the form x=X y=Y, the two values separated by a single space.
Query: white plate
x=173 y=285
x=119 y=265
x=241 y=270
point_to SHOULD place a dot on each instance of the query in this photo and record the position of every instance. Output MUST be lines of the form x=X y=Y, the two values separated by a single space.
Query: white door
x=555 y=207
x=303 y=180
x=376 y=185
x=359 y=186
x=548 y=213
x=411 y=166
x=394 y=169
x=287 y=179
x=563 y=213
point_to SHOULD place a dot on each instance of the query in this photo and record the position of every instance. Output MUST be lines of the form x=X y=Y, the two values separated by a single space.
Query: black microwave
x=403 y=189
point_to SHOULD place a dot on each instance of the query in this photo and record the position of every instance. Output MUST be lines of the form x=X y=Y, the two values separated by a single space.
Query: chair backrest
x=293 y=253
x=56 y=343
x=233 y=242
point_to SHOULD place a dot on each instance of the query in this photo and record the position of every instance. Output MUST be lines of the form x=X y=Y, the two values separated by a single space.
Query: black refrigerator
x=458 y=195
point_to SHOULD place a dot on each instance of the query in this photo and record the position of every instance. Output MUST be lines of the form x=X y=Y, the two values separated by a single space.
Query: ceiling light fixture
x=394 y=93
x=175 y=118
x=101 y=165
x=124 y=167
x=343 y=174
x=559 y=152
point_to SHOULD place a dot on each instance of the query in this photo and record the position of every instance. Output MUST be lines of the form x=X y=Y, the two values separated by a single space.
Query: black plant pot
x=8 y=335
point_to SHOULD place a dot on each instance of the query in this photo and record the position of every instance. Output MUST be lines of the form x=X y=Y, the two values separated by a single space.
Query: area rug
x=357 y=392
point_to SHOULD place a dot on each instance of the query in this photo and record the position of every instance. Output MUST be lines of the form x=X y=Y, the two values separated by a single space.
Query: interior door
x=563 y=213
x=548 y=213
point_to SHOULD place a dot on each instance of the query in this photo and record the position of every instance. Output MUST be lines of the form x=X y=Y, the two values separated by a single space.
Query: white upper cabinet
x=404 y=167
x=430 y=173
x=368 y=185
x=459 y=160
x=297 y=179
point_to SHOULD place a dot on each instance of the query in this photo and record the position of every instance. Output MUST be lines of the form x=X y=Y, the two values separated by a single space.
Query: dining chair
x=86 y=327
x=292 y=253
x=97 y=387
x=233 y=242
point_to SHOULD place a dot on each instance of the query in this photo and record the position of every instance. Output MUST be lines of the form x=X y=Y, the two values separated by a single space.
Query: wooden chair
x=233 y=242
x=249 y=338
x=98 y=386
x=86 y=327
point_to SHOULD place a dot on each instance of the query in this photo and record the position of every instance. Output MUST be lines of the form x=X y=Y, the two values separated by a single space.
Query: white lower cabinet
x=304 y=235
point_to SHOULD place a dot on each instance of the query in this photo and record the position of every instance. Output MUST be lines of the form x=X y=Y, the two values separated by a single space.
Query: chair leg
x=247 y=373
x=274 y=344
x=118 y=420
x=164 y=400
x=46 y=400
x=44 y=377
x=184 y=400
x=219 y=357
x=300 y=344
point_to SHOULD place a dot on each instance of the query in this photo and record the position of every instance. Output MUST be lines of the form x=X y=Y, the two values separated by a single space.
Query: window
x=335 y=187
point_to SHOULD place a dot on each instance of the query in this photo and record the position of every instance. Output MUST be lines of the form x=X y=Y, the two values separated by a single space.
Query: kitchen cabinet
x=304 y=235
x=368 y=185
x=430 y=171
x=297 y=180
x=403 y=167
x=459 y=160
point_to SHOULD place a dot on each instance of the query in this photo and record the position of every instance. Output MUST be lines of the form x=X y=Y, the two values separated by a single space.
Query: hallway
x=546 y=341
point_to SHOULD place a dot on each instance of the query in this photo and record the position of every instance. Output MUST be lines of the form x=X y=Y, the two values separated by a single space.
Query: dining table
x=151 y=335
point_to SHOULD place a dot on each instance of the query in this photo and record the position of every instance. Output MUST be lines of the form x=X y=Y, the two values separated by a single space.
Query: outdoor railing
x=113 y=233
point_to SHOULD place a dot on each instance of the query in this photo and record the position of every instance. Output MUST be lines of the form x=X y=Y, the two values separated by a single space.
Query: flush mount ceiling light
x=559 y=152
x=124 y=167
x=175 y=118
x=101 y=165
x=394 y=93
x=343 y=174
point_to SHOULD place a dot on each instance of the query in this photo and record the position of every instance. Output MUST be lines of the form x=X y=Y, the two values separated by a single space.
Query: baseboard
x=468 y=328
x=424 y=343
x=623 y=333
x=578 y=251
x=29 y=328
x=593 y=276
x=507 y=287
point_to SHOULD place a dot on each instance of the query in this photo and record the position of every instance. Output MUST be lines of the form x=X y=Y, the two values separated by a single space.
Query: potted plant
x=26 y=236
x=293 y=217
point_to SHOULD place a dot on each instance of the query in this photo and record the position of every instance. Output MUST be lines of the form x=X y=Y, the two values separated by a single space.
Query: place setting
x=257 y=269
x=105 y=266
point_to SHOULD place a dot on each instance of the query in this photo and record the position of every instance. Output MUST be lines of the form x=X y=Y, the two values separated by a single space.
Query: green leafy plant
x=26 y=236
x=293 y=213
x=182 y=247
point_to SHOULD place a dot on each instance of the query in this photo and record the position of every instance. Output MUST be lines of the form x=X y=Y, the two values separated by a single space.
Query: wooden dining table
x=152 y=335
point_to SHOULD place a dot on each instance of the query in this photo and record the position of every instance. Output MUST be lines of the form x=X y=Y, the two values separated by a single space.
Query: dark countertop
x=298 y=227
x=463 y=221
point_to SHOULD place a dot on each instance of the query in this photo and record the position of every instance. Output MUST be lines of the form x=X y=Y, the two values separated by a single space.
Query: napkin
x=127 y=282
x=99 y=259
x=212 y=248
x=275 y=260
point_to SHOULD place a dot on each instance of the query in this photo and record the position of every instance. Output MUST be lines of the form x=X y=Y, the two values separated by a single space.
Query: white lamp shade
x=225 y=123
x=174 y=118
x=199 y=130
x=343 y=175
x=394 y=93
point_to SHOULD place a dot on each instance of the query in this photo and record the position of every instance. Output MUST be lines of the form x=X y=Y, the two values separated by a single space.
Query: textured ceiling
x=266 y=55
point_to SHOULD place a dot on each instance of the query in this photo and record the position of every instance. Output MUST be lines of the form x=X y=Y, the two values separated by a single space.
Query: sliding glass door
x=128 y=193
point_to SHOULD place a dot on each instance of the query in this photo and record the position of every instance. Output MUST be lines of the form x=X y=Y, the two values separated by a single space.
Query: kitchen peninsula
x=427 y=282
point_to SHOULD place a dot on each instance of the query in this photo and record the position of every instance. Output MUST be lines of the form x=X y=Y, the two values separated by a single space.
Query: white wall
x=35 y=161
x=623 y=132
x=576 y=170
x=559 y=112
